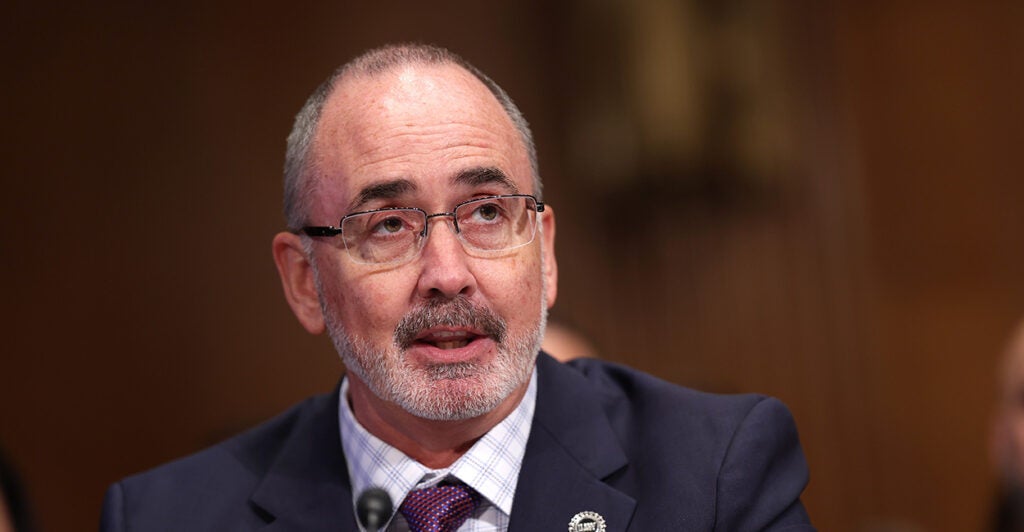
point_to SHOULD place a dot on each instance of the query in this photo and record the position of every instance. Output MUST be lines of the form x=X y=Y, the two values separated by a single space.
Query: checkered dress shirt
x=490 y=466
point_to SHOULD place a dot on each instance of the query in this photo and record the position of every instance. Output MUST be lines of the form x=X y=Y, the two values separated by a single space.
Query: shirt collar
x=491 y=466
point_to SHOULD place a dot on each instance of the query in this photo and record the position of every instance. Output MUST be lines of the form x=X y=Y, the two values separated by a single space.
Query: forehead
x=425 y=124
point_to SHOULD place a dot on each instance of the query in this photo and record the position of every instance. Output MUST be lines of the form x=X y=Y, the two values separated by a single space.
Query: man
x=420 y=243
x=1007 y=438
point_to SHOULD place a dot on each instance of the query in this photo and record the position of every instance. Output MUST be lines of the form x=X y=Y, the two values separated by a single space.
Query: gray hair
x=298 y=188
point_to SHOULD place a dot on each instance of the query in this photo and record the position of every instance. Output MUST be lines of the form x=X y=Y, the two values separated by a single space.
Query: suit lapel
x=307 y=486
x=571 y=450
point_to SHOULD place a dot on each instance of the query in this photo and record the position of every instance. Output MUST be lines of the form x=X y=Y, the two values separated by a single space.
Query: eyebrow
x=402 y=187
x=483 y=176
x=385 y=190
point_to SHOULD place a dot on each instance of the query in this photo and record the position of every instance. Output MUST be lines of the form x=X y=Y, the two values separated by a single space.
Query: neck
x=435 y=444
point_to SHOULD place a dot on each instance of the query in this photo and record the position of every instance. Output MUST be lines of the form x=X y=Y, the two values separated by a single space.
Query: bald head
x=300 y=157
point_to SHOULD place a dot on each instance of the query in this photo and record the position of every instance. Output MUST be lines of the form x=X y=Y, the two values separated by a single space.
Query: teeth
x=449 y=334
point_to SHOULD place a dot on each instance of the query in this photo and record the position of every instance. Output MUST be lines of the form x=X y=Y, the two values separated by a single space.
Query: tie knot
x=442 y=508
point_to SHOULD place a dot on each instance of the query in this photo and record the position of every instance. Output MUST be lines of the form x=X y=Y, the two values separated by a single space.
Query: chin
x=454 y=392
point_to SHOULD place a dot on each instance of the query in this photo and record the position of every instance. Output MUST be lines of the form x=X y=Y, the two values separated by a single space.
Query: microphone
x=373 y=509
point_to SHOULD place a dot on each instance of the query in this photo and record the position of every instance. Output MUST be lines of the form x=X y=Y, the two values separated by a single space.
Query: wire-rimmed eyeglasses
x=392 y=235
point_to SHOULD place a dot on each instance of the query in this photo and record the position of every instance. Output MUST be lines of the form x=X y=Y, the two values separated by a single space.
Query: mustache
x=455 y=312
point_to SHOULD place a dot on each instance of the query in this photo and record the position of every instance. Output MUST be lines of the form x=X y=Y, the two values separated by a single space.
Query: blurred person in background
x=1008 y=437
x=15 y=514
x=565 y=343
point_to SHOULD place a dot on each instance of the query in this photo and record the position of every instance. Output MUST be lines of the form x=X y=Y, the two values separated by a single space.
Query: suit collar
x=571 y=451
x=307 y=485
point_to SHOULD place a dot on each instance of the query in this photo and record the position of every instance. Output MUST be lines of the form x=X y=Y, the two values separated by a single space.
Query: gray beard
x=441 y=392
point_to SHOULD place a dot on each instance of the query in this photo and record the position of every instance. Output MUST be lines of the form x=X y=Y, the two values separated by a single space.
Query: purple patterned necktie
x=442 y=508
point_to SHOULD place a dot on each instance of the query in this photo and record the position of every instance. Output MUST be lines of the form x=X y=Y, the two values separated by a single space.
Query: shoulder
x=651 y=416
x=739 y=454
x=247 y=454
x=218 y=479
x=627 y=391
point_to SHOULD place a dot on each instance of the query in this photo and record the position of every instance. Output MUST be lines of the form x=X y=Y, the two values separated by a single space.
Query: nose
x=444 y=265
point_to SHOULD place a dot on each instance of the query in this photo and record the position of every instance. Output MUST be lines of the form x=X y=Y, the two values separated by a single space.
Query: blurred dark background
x=818 y=200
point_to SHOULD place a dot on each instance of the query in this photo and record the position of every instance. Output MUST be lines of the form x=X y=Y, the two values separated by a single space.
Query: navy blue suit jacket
x=646 y=455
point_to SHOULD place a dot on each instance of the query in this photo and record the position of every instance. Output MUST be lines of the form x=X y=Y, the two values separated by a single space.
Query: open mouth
x=447 y=339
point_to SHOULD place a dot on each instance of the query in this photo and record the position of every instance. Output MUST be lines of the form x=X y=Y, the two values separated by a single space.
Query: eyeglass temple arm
x=321 y=231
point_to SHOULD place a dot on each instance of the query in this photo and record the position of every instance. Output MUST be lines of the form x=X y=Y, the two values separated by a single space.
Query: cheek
x=370 y=306
x=513 y=288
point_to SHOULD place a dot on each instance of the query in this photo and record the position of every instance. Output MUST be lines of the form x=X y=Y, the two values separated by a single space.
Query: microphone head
x=374 y=508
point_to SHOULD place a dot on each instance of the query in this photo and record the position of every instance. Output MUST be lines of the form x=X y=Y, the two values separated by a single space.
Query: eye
x=390 y=225
x=488 y=212
x=383 y=224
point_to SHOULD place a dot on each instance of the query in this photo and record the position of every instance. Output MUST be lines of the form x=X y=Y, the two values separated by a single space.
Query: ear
x=550 y=264
x=296 y=273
